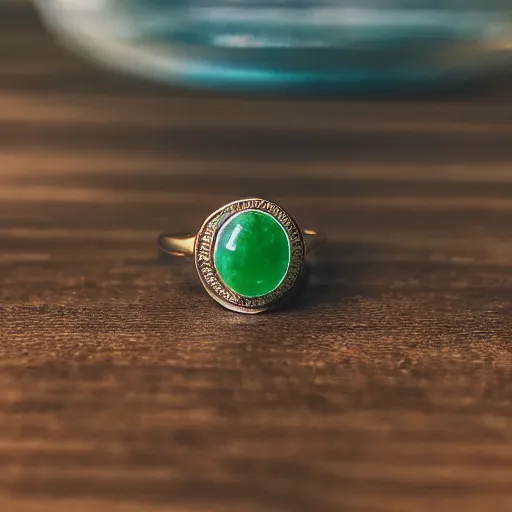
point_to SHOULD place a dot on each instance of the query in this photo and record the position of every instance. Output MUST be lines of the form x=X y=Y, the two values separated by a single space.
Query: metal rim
x=204 y=249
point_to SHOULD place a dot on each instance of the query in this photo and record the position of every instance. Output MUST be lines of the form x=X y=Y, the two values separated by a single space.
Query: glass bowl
x=268 y=45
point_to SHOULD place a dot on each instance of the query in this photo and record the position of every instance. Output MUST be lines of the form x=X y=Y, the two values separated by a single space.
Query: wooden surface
x=123 y=387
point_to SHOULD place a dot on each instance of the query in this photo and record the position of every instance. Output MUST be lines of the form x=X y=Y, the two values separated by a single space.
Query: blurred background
x=338 y=45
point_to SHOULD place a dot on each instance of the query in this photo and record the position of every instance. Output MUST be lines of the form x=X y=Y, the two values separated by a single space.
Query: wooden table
x=123 y=387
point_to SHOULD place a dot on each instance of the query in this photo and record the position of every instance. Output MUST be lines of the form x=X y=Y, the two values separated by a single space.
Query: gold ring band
x=183 y=244
x=249 y=254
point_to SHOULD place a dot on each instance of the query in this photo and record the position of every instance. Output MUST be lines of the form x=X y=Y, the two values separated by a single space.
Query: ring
x=249 y=254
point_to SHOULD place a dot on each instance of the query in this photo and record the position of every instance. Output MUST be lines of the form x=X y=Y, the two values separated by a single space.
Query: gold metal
x=201 y=247
x=183 y=245
x=176 y=245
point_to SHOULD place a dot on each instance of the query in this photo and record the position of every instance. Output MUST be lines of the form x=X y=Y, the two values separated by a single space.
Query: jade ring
x=249 y=254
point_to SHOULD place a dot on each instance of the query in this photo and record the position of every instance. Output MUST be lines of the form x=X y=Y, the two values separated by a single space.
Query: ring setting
x=249 y=254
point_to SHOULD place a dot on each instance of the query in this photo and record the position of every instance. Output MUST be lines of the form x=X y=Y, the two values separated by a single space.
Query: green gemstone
x=252 y=253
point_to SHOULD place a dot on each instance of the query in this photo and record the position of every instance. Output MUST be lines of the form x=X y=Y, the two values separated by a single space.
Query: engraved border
x=205 y=244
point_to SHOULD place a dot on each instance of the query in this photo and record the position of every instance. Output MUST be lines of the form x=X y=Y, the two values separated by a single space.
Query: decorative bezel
x=204 y=249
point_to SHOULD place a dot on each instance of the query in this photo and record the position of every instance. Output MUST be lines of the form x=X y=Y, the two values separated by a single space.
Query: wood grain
x=386 y=387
